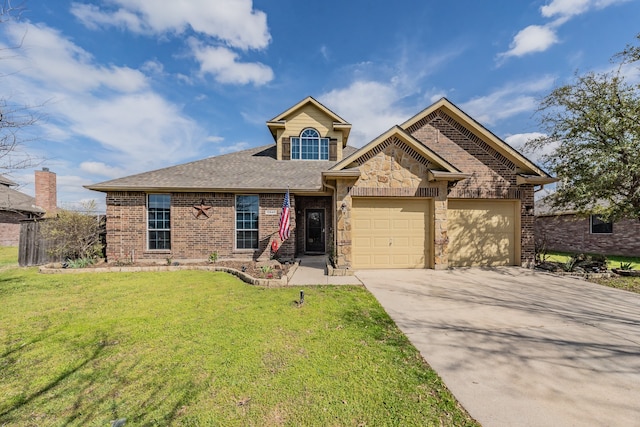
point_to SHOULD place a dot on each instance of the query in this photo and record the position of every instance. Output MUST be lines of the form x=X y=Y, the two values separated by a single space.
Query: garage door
x=390 y=233
x=483 y=232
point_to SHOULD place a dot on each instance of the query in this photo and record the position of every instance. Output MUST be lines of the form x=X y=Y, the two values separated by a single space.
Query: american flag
x=285 y=218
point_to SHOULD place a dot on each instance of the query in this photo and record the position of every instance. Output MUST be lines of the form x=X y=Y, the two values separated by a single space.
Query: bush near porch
x=201 y=348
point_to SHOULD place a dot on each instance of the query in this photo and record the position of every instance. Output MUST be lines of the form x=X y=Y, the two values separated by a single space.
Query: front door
x=315 y=230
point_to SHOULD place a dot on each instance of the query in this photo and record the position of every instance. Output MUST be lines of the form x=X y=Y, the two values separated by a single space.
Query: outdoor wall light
x=344 y=207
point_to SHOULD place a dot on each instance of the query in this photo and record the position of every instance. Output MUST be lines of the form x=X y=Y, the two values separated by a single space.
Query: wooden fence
x=33 y=248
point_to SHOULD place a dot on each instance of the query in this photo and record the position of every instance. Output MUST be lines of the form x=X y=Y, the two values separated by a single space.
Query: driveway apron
x=519 y=348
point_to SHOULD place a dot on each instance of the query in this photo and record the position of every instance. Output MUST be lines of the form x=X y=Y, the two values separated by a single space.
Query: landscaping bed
x=263 y=273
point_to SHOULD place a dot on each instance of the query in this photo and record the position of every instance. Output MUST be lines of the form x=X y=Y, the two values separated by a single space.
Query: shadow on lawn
x=52 y=384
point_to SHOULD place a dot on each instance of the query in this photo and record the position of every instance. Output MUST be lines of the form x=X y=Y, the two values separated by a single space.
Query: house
x=576 y=232
x=439 y=190
x=16 y=206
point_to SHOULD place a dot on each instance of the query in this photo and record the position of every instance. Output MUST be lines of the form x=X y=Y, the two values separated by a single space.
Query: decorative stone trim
x=338 y=271
x=394 y=192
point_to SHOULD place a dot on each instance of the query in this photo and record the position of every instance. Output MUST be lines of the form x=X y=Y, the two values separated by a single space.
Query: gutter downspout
x=334 y=216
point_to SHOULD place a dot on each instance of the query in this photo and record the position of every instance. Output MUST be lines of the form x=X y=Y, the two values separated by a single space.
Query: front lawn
x=200 y=348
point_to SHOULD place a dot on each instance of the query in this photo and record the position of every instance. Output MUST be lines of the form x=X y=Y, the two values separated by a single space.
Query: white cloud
x=507 y=101
x=234 y=22
x=565 y=8
x=223 y=64
x=534 y=38
x=133 y=126
x=518 y=141
x=539 y=38
x=60 y=64
x=100 y=168
x=369 y=106
x=568 y=8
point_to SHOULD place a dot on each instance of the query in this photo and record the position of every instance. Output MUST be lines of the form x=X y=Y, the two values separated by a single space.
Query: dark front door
x=315 y=230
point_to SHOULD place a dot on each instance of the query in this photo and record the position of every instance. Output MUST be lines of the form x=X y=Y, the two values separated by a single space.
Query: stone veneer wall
x=572 y=233
x=191 y=237
x=392 y=172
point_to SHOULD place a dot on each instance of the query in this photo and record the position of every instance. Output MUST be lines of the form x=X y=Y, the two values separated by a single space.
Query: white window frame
x=149 y=229
x=256 y=230
x=296 y=142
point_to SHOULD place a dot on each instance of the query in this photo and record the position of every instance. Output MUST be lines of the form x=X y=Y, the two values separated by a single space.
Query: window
x=598 y=226
x=159 y=221
x=247 y=222
x=309 y=146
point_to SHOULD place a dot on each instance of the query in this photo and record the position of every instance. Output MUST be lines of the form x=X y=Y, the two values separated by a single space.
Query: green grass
x=199 y=348
x=8 y=256
x=613 y=261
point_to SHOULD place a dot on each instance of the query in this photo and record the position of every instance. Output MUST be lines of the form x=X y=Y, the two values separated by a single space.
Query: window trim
x=297 y=140
x=591 y=224
x=149 y=230
x=236 y=229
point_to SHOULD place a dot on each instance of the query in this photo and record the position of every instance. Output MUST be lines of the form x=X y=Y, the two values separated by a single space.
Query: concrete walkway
x=312 y=271
x=519 y=348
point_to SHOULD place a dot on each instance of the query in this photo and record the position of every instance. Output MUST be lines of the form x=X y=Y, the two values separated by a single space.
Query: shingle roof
x=255 y=169
x=12 y=200
x=6 y=181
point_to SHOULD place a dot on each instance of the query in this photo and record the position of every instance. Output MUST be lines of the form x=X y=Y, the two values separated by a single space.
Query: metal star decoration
x=201 y=210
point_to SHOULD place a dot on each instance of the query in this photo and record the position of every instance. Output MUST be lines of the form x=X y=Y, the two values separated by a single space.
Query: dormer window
x=309 y=146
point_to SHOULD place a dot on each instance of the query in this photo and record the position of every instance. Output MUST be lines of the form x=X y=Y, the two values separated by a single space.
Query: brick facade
x=10 y=227
x=493 y=176
x=572 y=233
x=192 y=237
x=46 y=191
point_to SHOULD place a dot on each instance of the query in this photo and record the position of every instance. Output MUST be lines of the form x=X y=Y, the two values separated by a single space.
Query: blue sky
x=128 y=86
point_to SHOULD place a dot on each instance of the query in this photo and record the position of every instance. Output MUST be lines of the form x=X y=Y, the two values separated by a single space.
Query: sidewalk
x=312 y=271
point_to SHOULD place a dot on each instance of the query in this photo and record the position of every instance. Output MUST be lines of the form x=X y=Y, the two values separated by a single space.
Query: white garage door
x=483 y=232
x=390 y=233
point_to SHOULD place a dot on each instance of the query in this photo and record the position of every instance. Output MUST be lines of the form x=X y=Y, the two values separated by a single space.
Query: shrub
x=76 y=234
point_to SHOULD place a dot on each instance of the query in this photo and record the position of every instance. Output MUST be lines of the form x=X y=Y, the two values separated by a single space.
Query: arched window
x=309 y=146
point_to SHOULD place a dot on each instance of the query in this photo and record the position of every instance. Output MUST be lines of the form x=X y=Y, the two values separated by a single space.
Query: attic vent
x=422 y=122
x=398 y=143
x=480 y=143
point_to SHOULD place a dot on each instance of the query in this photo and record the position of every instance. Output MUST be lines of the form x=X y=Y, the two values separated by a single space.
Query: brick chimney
x=46 y=192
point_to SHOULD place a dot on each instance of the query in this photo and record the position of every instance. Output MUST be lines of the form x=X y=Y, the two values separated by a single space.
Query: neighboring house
x=439 y=190
x=571 y=231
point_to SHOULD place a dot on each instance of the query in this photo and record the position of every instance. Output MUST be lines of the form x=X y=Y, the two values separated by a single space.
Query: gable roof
x=528 y=169
x=13 y=200
x=338 y=122
x=252 y=170
x=446 y=169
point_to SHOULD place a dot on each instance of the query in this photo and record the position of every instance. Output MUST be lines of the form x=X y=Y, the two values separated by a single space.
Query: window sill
x=157 y=251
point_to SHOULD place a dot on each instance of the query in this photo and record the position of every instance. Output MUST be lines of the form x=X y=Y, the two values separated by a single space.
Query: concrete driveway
x=519 y=348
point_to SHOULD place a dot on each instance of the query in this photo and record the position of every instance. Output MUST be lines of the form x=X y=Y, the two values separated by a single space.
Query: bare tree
x=14 y=117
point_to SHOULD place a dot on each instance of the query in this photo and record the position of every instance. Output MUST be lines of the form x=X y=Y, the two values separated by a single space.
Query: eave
x=434 y=175
x=534 y=179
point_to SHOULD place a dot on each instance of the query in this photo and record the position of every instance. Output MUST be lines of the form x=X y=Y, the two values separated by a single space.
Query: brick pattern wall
x=192 y=238
x=492 y=174
x=571 y=233
x=10 y=228
x=46 y=192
